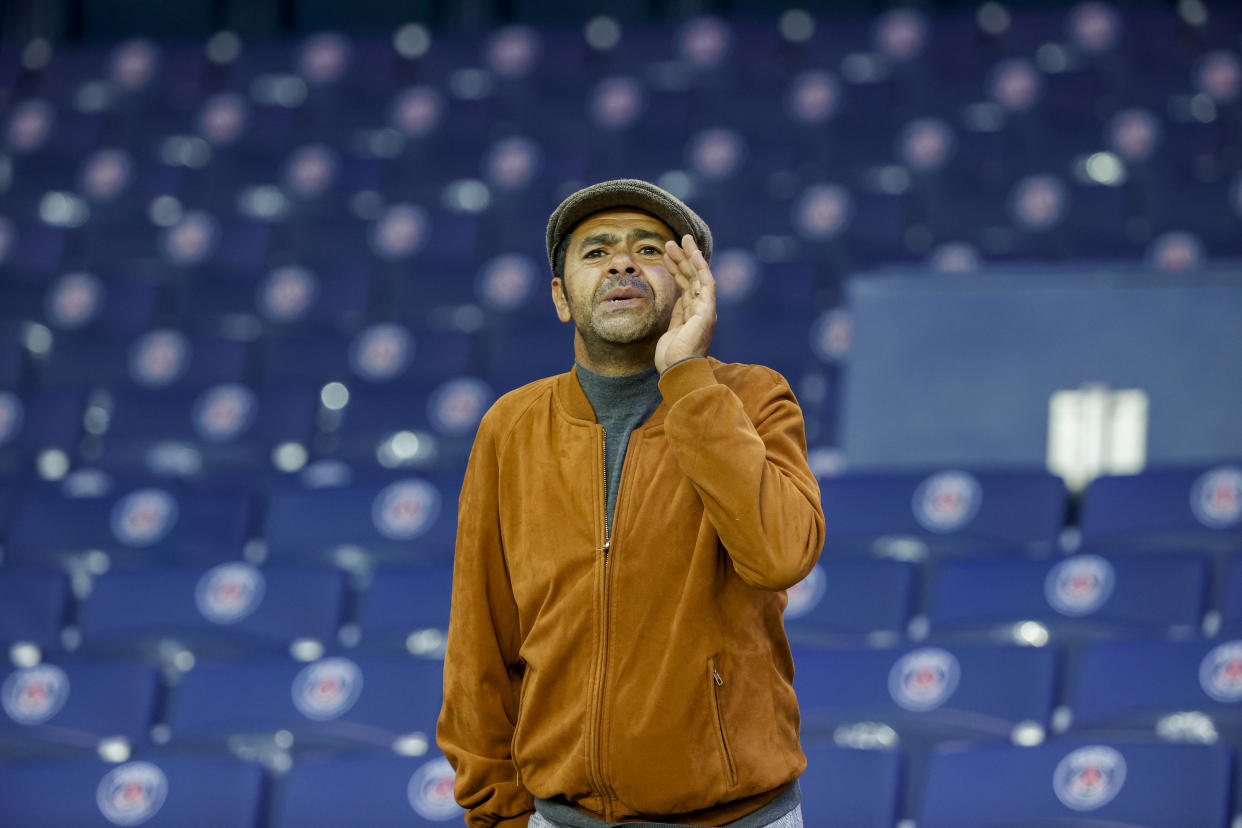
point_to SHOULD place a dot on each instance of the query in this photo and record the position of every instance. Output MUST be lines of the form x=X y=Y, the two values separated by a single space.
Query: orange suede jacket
x=639 y=670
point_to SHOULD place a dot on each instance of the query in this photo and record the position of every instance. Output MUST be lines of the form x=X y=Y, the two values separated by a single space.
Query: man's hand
x=694 y=313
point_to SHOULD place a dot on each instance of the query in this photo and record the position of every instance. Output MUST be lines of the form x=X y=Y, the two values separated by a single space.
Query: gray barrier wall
x=958 y=370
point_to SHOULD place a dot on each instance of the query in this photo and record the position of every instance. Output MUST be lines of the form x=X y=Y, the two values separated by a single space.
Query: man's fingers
x=671 y=265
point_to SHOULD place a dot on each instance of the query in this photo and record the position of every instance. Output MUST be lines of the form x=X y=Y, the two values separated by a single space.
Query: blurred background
x=263 y=266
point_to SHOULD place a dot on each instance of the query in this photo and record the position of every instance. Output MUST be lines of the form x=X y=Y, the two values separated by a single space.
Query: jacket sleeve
x=749 y=469
x=482 y=673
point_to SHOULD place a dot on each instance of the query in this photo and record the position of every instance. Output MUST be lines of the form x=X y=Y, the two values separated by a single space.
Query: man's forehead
x=621 y=220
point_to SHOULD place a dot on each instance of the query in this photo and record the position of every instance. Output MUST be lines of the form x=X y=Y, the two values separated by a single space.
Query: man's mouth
x=623 y=297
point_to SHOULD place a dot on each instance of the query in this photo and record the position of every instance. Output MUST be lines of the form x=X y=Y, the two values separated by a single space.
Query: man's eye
x=595 y=252
x=650 y=250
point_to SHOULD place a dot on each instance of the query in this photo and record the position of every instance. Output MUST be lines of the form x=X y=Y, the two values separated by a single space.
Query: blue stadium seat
x=848 y=786
x=402 y=519
x=32 y=250
x=82 y=302
x=69 y=707
x=287 y=299
x=384 y=790
x=963 y=692
x=948 y=510
x=34 y=605
x=165 y=790
x=228 y=425
x=228 y=609
x=851 y=599
x=1231 y=597
x=158 y=359
x=11 y=369
x=31 y=423
x=402 y=601
x=1078 y=596
x=380 y=354
x=362 y=702
x=1174 y=507
x=140 y=524
x=1131 y=684
x=1076 y=783
x=447 y=413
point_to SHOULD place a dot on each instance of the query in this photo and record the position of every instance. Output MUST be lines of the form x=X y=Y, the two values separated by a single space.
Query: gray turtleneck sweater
x=621 y=405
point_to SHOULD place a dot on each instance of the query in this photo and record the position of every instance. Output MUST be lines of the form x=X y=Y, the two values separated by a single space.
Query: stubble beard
x=646 y=323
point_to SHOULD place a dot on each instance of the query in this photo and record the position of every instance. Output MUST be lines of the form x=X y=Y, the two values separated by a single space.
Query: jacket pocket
x=717 y=689
x=527 y=680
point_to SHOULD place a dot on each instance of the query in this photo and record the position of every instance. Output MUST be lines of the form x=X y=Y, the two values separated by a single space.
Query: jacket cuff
x=687 y=375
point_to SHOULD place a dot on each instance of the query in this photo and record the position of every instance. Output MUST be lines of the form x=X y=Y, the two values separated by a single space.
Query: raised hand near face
x=694 y=313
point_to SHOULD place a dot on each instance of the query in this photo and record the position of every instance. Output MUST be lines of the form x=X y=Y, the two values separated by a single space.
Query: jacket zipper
x=517 y=771
x=730 y=768
x=602 y=663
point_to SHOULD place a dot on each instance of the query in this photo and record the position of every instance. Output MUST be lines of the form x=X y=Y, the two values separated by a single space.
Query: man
x=627 y=530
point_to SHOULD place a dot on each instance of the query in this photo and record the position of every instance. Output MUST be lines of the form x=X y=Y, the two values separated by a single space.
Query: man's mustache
x=614 y=284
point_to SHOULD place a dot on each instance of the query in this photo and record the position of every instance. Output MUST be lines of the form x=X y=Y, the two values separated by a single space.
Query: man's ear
x=558 y=299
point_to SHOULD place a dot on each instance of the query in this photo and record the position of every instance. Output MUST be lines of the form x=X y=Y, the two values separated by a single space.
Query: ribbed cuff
x=684 y=376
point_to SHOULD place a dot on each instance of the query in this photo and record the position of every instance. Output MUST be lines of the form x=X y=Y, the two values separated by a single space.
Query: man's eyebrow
x=643 y=233
x=612 y=238
x=598 y=238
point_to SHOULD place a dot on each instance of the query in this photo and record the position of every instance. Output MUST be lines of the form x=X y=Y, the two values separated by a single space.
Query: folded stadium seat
x=34 y=605
x=944 y=512
x=851 y=600
x=1096 y=224
x=288 y=299
x=37 y=128
x=1077 y=783
x=1187 y=204
x=1162 y=508
x=225 y=426
x=849 y=786
x=165 y=790
x=779 y=342
x=513 y=284
x=1230 y=598
x=1074 y=598
x=198 y=243
x=82 y=303
x=386 y=790
x=542 y=347
x=1137 y=685
x=358 y=702
x=403 y=518
x=229 y=609
x=321 y=183
x=142 y=525
x=28 y=249
x=961 y=692
x=68 y=708
x=424 y=292
x=406 y=608
x=444 y=415
x=12 y=356
x=379 y=354
x=916 y=698
x=12 y=487
x=159 y=359
x=39 y=422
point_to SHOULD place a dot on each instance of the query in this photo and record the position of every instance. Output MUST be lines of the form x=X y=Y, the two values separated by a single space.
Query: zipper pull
x=718 y=679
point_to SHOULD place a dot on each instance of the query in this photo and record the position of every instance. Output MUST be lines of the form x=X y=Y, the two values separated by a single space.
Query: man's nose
x=621 y=261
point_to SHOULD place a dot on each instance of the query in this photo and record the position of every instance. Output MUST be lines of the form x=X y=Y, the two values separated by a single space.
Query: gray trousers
x=793 y=819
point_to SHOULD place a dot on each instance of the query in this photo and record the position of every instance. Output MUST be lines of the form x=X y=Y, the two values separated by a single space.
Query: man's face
x=616 y=288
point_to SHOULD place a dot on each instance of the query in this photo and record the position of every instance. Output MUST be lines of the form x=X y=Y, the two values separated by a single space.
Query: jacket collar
x=574 y=402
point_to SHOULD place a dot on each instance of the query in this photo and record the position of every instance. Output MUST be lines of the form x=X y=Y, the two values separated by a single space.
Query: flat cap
x=627 y=192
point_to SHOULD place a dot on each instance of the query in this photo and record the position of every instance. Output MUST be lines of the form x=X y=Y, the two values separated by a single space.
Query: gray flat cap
x=627 y=192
